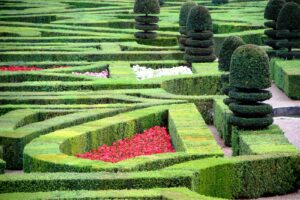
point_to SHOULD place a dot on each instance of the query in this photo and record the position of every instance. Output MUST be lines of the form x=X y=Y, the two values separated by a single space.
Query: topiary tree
x=271 y=13
x=199 y=45
x=288 y=25
x=249 y=75
x=184 y=11
x=219 y=1
x=229 y=45
x=146 y=23
x=161 y=2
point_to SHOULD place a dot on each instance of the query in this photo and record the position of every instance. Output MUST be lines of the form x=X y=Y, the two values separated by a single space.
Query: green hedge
x=267 y=141
x=286 y=75
x=194 y=142
x=133 y=194
x=221 y=120
x=38 y=182
x=245 y=176
x=14 y=138
x=2 y=166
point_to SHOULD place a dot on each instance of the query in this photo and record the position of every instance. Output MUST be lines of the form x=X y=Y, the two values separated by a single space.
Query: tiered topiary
x=230 y=44
x=146 y=23
x=288 y=25
x=271 y=13
x=184 y=11
x=249 y=75
x=199 y=45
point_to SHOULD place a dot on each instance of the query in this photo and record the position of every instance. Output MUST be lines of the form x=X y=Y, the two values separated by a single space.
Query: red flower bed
x=152 y=141
x=19 y=68
x=24 y=68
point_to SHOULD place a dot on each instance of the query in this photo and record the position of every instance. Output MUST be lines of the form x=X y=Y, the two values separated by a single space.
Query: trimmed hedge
x=286 y=75
x=82 y=138
x=14 y=138
x=245 y=176
x=2 y=166
x=150 y=194
x=267 y=141
x=221 y=120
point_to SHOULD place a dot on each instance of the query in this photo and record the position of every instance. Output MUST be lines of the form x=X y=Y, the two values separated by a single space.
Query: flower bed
x=152 y=141
x=25 y=68
x=103 y=74
x=19 y=68
x=143 y=72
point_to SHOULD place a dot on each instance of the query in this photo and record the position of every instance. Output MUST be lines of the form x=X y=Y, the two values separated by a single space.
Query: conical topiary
x=271 y=13
x=146 y=23
x=288 y=25
x=249 y=75
x=184 y=11
x=199 y=45
x=229 y=45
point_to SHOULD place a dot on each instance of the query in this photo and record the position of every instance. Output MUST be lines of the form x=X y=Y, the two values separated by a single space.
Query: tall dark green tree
x=199 y=45
x=249 y=76
x=271 y=14
x=288 y=25
x=184 y=11
x=145 y=23
x=229 y=45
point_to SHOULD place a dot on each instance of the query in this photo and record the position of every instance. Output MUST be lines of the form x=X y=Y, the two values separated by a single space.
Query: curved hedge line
x=78 y=139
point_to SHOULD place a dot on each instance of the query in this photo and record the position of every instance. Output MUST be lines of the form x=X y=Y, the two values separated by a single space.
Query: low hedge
x=175 y=193
x=244 y=176
x=14 y=138
x=193 y=85
x=44 y=182
x=194 y=142
x=286 y=75
x=221 y=120
x=267 y=141
x=2 y=166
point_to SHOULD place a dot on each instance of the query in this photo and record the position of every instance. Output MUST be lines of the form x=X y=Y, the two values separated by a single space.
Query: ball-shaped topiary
x=289 y=17
x=229 y=45
x=249 y=68
x=273 y=8
x=199 y=19
x=184 y=12
x=146 y=7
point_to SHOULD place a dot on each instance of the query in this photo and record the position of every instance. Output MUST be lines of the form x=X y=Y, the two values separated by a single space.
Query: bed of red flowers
x=152 y=141
x=24 y=68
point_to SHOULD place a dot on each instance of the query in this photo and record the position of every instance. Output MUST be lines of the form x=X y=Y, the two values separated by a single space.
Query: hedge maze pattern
x=48 y=116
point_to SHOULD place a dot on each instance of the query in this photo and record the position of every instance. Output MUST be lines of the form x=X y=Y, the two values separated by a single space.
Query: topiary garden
x=143 y=99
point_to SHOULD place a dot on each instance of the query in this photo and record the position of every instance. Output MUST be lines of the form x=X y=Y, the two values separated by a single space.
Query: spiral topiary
x=288 y=25
x=146 y=23
x=271 y=13
x=230 y=44
x=249 y=75
x=199 y=45
x=184 y=11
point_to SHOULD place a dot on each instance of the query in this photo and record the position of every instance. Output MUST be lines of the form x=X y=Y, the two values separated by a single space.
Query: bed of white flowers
x=143 y=72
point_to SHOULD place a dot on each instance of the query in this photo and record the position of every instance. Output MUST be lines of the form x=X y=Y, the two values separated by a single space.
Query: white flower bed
x=143 y=72
x=103 y=74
